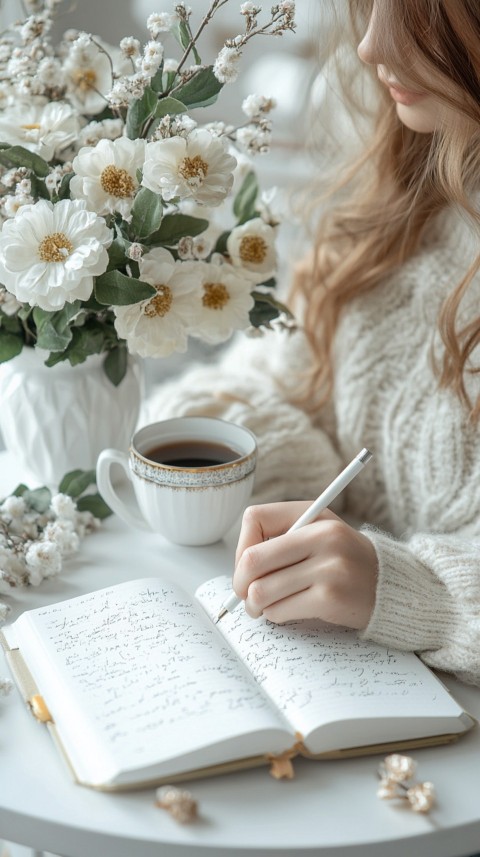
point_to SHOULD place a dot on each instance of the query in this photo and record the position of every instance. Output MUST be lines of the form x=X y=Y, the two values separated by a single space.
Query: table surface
x=329 y=809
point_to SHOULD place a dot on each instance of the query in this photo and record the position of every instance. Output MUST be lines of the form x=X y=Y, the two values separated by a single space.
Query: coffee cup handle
x=104 y=484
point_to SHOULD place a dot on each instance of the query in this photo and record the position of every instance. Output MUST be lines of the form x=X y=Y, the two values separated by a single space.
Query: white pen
x=313 y=511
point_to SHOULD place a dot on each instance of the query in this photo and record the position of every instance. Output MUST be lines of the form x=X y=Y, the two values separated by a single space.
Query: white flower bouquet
x=128 y=226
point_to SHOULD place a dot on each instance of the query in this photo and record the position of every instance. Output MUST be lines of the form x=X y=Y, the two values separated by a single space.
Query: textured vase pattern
x=58 y=419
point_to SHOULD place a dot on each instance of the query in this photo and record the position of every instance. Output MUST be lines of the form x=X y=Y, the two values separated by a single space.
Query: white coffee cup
x=184 y=497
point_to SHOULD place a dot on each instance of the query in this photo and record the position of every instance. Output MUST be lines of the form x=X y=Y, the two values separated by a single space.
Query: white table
x=330 y=809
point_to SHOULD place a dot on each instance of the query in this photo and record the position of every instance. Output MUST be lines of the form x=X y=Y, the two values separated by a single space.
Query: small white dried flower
x=6 y=686
x=13 y=204
x=185 y=248
x=170 y=65
x=250 y=9
x=388 y=789
x=119 y=95
x=218 y=128
x=6 y=582
x=179 y=803
x=253 y=139
x=160 y=22
x=63 y=506
x=13 y=507
x=49 y=72
x=135 y=252
x=254 y=105
x=54 y=179
x=5 y=609
x=130 y=47
x=217 y=259
x=399 y=768
x=43 y=559
x=421 y=797
x=225 y=67
x=62 y=533
x=35 y=26
x=201 y=247
x=23 y=187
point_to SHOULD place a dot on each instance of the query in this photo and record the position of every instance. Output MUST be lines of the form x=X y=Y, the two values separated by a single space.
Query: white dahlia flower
x=45 y=129
x=251 y=247
x=198 y=167
x=106 y=175
x=158 y=326
x=225 y=302
x=49 y=254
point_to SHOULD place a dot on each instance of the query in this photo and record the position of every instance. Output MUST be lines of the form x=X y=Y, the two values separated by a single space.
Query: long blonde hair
x=402 y=181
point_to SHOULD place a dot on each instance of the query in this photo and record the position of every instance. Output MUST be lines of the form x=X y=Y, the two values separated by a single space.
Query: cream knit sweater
x=419 y=499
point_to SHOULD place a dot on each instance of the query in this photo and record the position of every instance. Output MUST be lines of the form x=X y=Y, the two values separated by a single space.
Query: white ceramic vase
x=58 y=419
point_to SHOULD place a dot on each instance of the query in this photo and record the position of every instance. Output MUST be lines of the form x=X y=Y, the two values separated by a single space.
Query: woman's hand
x=325 y=570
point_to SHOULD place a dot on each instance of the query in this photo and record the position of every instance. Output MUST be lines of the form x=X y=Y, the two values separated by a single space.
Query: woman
x=390 y=308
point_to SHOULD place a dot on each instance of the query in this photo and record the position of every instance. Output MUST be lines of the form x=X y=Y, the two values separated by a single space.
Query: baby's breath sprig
x=396 y=782
x=38 y=529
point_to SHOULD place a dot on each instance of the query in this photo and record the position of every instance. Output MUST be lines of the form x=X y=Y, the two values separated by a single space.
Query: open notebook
x=139 y=686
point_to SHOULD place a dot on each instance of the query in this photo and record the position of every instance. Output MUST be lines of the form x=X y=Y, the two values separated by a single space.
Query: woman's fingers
x=276 y=586
x=267 y=521
x=326 y=569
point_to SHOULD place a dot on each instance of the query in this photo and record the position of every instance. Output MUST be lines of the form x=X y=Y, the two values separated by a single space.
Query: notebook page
x=134 y=674
x=319 y=674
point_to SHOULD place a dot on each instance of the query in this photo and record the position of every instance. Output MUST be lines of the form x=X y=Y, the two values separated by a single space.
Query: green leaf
x=76 y=482
x=169 y=105
x=139 y=112
x=269 y=284
x=244 y=202
x=116 y=254
x=10 y=346
x=86 y=340
x=116 y=289
x=64 y=189
x=17 y=156
x=176 y=226
x=10 y=323
x=20 y=490
x=38 y=499
x=265 y=309
x=39 y=190
x=221 y=245
x=201 y=90
x=95 y=504
x=183 y=35
x=157 y=80
x=115 y=364
x=53 y=328
x=147 y=213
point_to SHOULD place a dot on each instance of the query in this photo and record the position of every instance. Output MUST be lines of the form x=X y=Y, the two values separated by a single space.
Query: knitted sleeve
x=428 y=599
x=296 y=459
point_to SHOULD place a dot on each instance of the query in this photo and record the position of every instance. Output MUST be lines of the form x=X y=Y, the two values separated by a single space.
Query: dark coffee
x=192 y=453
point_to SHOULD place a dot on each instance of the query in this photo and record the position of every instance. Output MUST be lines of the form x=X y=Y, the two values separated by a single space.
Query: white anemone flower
x=45 y=129
x=106 y=175
x=49 y=254
x=251 y=247
x=226 y=301
x=198 y=167
x=88 y=72
x=158 y=326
